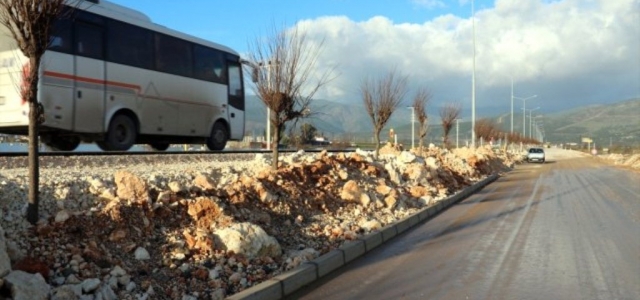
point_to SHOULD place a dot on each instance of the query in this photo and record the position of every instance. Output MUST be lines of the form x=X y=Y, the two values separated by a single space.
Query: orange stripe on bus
x=137 y=88
x=91 y=80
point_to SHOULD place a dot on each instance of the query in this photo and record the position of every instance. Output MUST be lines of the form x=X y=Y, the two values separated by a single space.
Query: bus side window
x=173 y=55
x=60 y=39
x=209 y=64
x=88 y=40
x=219 y=67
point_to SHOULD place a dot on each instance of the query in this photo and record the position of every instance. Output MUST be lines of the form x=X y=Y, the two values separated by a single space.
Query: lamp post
x=473 y=78
x=457 y=131
x=267 y=65
x=524 y=122
x=537 y=127
x=511 y=104
x=413 y=132
x=531 y=120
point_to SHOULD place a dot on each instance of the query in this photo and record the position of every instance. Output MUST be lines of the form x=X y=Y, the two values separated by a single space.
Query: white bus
x=113 y=77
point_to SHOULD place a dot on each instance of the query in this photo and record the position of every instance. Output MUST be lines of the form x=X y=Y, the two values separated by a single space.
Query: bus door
x=236 y=101
x=89 y=92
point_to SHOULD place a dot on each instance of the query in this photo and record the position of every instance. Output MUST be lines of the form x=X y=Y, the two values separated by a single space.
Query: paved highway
x=566 y=229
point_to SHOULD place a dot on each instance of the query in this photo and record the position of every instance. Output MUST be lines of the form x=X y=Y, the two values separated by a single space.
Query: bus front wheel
x=121 y=135
x=218 y=138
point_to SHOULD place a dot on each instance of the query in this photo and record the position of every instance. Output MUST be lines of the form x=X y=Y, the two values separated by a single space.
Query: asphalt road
x=566 y=229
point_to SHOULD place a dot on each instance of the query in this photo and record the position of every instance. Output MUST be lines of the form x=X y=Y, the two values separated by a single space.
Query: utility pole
x=268 y=108
x=473 y=78
x=457 y=131
x=512 y=104
x=413 y=132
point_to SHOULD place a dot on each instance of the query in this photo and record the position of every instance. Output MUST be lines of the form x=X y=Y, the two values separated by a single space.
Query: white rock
x=108 y=293
x=131 y=286
x=248 y=239
x=124 y=280
x=175 y=186
x=25 y=286
x=113 y=282
x=371 y=225
x=407 y=157
x=142 y=254
x=213 y=274
x=14 y=252
x=118 y=271
x=72 y=279
x=62 y=216
x=64 y=293
x=151 y=291
x=90 y=285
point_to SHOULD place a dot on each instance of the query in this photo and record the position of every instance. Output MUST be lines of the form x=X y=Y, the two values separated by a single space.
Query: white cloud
x=567 y=50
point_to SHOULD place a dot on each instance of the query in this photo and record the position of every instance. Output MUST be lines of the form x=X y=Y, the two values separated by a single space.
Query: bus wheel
x=219 y=136
x=64 y=144
x=102 y=146
x=159 y=146
x=121 y=134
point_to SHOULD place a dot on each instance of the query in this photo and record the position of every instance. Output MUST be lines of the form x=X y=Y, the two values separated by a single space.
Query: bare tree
x=420 y=101
x=486 y=129
x=448 y=115
x=286 y=87
x=381 y=98
x=30 y=23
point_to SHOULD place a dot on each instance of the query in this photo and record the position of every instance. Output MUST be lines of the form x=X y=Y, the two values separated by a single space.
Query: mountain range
x=616 y=123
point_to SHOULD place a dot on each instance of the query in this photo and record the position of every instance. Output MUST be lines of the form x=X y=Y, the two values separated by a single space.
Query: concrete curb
x=287 y=283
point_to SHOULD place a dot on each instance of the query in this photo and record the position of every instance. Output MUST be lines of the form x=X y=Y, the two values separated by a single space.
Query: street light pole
x=473 y=77
x=269 y=109
x=457 y=131
x=511 y=104
x=524 y=114
x=413 y=132
x=531 y=121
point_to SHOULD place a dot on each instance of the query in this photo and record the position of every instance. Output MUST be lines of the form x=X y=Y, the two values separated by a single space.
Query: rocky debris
x=5 y=262
x=211 y=229
x=249 y=240
x=25 y=286
x=131 y=187
x=628 y=160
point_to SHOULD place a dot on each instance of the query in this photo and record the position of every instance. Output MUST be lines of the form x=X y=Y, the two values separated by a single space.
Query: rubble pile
x=630 y=160
x=207 y=231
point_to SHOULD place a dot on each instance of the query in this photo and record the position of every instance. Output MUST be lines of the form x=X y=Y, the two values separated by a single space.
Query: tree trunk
x=34 y=176
x=376 y=137
x=274 y=147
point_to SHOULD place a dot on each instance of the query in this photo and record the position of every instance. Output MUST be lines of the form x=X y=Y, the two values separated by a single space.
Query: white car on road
x=535 y=154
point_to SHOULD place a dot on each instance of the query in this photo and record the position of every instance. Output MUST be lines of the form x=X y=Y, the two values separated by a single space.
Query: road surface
x=566 y=229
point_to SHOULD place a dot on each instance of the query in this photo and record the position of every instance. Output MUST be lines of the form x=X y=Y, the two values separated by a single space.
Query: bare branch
x=381 y=98
x=448 y=114
x=420 y=101
x=284 y=64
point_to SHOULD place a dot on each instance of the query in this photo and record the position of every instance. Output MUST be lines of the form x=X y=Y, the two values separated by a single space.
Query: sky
x=568 y=53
